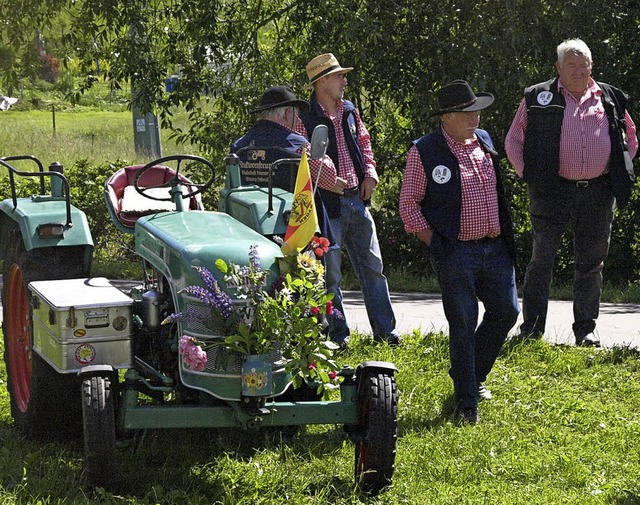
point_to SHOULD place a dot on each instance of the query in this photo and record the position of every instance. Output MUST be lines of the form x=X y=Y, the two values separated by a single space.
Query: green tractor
x=84 y=354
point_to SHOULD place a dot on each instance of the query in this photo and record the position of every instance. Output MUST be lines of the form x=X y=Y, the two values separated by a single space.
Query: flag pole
x=315 y=186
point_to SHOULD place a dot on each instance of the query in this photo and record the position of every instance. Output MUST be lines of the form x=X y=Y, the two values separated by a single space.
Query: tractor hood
x=174 y=242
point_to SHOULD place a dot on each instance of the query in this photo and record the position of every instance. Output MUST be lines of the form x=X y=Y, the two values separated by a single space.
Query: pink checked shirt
x=585 y=145
x=347 y=170
x=479 y=213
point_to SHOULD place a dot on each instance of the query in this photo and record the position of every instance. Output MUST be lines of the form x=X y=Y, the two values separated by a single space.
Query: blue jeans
x=588 y=211
x=355 y=231
x=476 y=270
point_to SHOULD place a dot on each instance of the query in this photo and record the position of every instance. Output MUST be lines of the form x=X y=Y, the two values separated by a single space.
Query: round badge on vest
x=441 y=174
x=545 y=97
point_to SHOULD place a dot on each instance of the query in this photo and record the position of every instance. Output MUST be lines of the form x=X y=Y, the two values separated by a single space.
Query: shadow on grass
x=628 y=498
x=176 y=463
x=209 y=460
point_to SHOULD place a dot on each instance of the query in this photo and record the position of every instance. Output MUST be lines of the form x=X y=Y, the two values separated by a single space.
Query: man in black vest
x=572 y=141
x=452 y=200
x=351 y=222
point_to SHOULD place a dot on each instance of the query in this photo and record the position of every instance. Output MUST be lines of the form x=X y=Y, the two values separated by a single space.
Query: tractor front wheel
x=376 y=432
x=99 y=420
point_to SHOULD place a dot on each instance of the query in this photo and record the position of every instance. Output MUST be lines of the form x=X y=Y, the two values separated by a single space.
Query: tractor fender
x=30 y=215
x=96 y=370
x=378 y=365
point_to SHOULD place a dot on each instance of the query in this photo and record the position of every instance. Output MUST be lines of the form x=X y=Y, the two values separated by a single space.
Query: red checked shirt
x=479 y=213
x=585 y=145
x=347 y=170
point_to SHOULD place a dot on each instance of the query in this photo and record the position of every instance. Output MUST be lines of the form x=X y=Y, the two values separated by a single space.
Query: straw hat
x=457 y=96
x=322 y=65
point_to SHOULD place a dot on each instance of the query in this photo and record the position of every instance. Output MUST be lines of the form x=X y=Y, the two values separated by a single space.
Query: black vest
x=316 y=116
x=541 y=150
x=442 y=203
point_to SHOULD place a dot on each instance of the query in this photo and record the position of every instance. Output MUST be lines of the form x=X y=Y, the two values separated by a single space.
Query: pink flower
x=329 y=307
x=312 y=366
x=315 y=310
x=332 y=375
x=194 y=356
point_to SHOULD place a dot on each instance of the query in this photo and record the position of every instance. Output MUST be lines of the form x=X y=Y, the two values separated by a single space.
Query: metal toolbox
x=81 y=322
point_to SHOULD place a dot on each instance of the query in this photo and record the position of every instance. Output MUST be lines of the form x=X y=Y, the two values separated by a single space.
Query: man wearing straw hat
x=351 y=222
x=452 y=200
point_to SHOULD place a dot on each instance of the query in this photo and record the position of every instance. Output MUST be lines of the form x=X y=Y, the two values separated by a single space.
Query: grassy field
x=99 y=136
x=562 y=428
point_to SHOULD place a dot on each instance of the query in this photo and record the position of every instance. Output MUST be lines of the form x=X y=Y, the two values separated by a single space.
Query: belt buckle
x=582 y=184
x=350 y=192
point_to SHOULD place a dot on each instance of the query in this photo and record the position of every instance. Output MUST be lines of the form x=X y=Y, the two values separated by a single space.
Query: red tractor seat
x=126 y=205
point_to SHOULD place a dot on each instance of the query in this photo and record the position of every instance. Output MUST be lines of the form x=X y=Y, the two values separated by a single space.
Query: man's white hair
x=575 y=46
x=276 y=113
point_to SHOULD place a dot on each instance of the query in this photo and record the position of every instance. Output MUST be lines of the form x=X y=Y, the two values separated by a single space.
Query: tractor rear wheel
x=99 y=420
x=44 y=403
x=376 y=432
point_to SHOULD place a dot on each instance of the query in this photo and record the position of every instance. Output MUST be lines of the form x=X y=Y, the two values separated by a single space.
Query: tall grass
x=562 y=428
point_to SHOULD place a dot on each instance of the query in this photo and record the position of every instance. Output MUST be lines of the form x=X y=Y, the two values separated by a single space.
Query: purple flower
x=176 y=316
x=254 y=258
x=213 y=297
x=209 y=280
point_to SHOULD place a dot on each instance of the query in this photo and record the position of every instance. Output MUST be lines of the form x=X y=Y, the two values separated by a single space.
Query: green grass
x=100 y=136
x=562 y=428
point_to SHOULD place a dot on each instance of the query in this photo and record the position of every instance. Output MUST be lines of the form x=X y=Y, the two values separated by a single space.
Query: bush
x=50 y=68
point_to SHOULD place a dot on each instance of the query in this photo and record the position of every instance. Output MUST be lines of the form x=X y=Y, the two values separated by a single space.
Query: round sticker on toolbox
x=85 y=353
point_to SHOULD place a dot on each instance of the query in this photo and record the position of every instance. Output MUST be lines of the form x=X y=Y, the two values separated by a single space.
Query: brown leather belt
x=350 y=192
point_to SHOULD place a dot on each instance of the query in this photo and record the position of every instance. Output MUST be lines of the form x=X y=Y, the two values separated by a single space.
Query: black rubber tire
x=44 y=403
x=99 y=427
x=377 y=430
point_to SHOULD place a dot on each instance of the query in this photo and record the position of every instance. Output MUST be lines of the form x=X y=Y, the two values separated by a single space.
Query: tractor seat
x=126 y=205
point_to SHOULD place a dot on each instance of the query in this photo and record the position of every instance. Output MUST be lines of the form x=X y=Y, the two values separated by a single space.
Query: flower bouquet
x=287 y=317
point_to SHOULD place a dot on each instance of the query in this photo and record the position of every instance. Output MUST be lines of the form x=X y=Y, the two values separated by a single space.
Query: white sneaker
x=483 y=392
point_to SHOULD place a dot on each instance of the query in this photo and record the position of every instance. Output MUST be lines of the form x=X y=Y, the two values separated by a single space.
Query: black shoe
x=589 y=340
x=344 y=344
x=392 y=340
x=525 y=335
x=467 y=415
x=483 y=392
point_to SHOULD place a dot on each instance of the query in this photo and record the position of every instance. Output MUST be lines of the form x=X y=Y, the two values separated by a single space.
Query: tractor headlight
x=51 y=230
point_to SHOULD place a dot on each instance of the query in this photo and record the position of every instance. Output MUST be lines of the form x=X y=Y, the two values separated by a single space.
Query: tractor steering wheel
x=201 y=188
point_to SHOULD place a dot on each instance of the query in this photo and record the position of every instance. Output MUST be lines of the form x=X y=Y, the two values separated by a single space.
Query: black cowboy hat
x=280 y=96
x=457 y=96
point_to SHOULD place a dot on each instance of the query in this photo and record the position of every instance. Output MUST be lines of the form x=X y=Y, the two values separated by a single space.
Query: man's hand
x=425 y=236
x=339 y=186
x=367 y=187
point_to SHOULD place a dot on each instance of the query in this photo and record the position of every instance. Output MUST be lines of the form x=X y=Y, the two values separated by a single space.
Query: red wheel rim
x=18 y=338
x=363 y=456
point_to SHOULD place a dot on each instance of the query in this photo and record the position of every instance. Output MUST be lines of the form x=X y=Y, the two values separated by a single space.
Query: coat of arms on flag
x=303 y=221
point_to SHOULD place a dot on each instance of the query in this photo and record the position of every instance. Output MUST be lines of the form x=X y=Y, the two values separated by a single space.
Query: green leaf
x=222 y=266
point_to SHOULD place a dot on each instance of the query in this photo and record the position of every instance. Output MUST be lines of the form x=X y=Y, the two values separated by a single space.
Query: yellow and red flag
x=303 y=221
